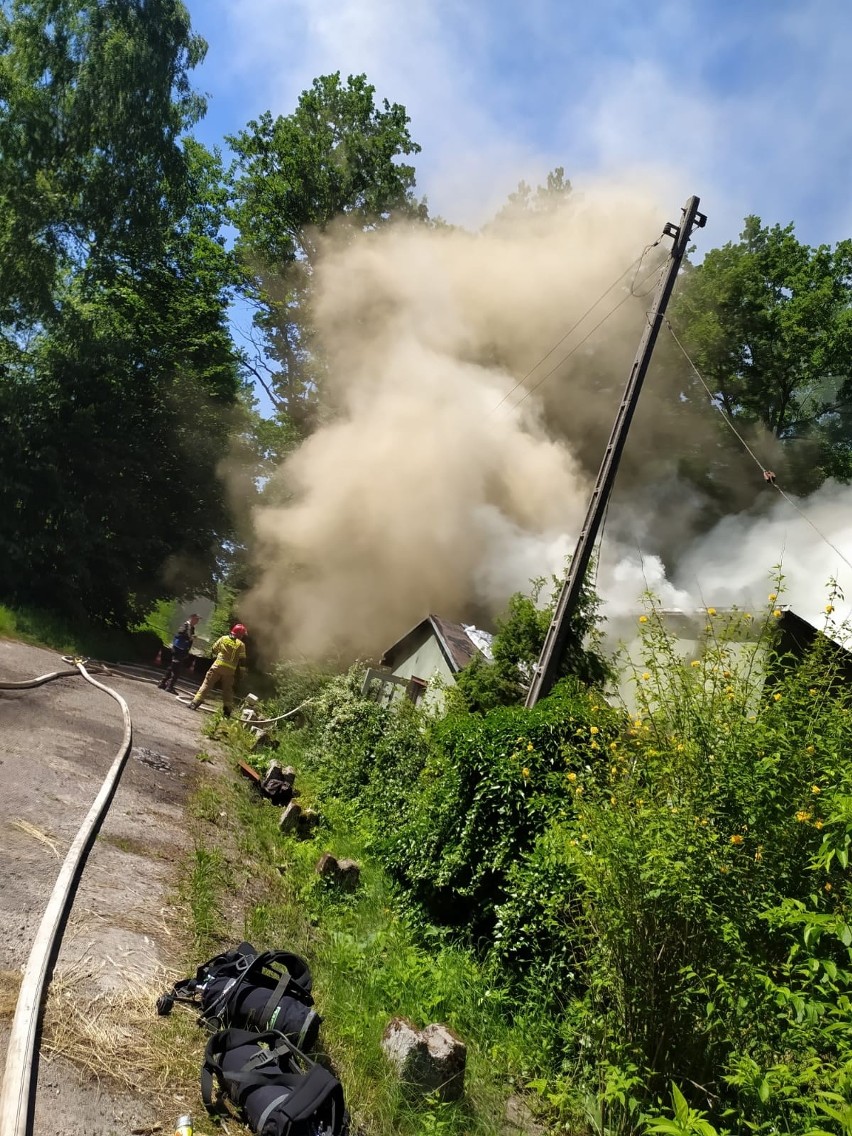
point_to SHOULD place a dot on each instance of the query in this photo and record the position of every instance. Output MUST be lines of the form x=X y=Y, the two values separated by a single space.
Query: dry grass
x=36 y=834
x=117 y=1037
x=10 y=984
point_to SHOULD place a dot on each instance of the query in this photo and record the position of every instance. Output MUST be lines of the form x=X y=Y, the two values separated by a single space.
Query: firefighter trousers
x=218 y=676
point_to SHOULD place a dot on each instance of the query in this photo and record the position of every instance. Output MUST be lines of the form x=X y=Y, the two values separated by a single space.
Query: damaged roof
x=457 y=646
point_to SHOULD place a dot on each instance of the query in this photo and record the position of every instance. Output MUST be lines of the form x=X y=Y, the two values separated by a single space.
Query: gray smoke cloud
x=425 y=491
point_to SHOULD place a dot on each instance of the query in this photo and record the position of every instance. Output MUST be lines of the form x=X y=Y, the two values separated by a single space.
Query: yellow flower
x=827 y=885
x=529 y=747
x=703 y=822
x=776 y=697
x=645 y=676
x=829 y=608
x=724 y=869
x=773 y=596
x=815 y=789
x=711 y=611
x=818 y=824
x=594 y=730
x=810 y=749
x=747 y=615
x=813 y=692
x=680 y=748
x=802 y=816
x=777 y=613
x=695 y=663
x=572 y=776
x=726 y=674
x=643 y=619
x=736 y=838
x=613 y=746
x=579 y=790
x=573 y=843
x=612 y=801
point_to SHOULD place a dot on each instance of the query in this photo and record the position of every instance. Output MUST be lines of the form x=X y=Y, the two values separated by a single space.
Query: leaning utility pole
x=547 y=668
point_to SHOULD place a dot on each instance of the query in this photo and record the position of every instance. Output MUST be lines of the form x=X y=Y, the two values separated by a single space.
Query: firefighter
x=229 y=653
x=181 y=646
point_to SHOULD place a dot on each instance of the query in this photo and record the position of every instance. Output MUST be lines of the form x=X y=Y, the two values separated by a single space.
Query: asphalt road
x=56 y=744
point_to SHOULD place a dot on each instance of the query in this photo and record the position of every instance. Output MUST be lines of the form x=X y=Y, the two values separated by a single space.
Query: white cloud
x=499 y=91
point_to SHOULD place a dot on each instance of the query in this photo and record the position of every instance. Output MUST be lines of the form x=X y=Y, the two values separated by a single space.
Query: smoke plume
x=431 y=486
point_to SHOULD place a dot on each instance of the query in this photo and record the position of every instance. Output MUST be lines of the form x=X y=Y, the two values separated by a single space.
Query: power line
x=627 y=296
x=768 y=476
x=637 y=264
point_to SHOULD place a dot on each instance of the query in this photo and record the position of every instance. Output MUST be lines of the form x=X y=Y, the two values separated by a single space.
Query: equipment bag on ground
x=279 y=1090
x=248 y=990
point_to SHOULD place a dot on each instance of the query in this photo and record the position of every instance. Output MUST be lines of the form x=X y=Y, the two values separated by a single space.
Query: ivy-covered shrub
x=489 y=786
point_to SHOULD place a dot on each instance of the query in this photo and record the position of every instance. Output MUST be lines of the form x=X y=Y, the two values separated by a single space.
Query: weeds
x=207 y=875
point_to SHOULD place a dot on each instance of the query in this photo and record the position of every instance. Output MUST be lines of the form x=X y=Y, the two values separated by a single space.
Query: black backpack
x=279 y=1090
x=268 y=991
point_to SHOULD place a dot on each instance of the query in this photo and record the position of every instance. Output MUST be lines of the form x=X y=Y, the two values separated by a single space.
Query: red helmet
x=239 y=630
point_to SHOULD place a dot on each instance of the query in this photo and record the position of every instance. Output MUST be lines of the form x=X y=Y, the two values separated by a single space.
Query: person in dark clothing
x=181 y=645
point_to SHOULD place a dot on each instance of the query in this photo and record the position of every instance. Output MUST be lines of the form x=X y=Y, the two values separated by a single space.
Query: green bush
x=517 y=645
x=666 y=889
x=695 y=854
x=488 y=788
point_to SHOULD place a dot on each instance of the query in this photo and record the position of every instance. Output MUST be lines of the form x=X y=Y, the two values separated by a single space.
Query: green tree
x=525 y=201
x=336 y=158
x=119 y=372
x=520 y=635
x=768 y=321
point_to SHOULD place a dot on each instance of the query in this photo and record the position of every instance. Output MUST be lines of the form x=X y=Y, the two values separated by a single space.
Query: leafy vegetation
x=767 y=319
x=657 y=900
x=334 y=160
x=518 y=640
x=118 y=367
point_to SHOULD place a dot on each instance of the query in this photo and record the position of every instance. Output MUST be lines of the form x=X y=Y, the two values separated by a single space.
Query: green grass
x=370 y=964
x=68 y=637
x=207 y=878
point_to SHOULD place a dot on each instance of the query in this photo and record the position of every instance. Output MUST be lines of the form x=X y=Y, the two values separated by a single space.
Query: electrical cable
x=627 y=296
x=769 y=477
x=637 y=264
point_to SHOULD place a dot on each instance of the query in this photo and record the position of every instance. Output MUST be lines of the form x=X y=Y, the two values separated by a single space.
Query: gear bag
x=279 y=1090
x=242 y=988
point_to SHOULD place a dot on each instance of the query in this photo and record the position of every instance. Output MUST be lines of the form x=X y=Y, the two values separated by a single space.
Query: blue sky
x=745 y=104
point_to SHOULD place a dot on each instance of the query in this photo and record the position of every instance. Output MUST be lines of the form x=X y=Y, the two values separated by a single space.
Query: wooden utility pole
x=547 y=668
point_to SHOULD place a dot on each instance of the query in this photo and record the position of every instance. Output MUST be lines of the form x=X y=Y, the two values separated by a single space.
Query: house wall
x=426 y=661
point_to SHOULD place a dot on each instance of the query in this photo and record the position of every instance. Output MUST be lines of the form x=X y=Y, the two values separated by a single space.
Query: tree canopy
x=336 y=158
x=118 y=366
x=768 y=321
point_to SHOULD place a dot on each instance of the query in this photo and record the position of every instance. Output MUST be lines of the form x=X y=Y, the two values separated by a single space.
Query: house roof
x=456 y=645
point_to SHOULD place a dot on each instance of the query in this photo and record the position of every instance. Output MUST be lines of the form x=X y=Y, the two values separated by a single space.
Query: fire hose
x=17 y=1097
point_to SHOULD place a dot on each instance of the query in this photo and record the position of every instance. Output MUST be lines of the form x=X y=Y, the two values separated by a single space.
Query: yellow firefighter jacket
x=229 y=651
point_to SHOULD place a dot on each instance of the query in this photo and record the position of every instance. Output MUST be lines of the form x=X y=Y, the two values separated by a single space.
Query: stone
x=308 y=823
x=290 y=818
x=431 y=1060
x=349 y=874
x=344 y=873
x=520 y=1119
x=277 y=785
